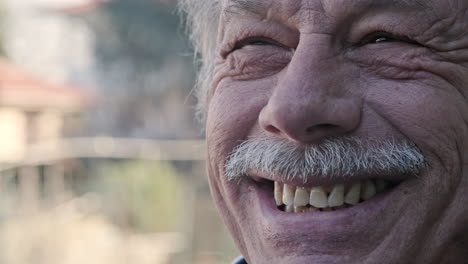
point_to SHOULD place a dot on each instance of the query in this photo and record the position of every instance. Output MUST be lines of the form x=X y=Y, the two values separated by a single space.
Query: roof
x=74 y=8
x=21 y=89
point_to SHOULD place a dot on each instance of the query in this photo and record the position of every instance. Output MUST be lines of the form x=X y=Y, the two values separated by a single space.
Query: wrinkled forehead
x=291 y=9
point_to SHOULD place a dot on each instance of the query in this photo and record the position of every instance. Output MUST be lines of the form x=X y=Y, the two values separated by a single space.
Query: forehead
x=333 y=8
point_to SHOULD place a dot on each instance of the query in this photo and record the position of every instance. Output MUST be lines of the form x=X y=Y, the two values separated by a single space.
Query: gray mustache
x=339 y=157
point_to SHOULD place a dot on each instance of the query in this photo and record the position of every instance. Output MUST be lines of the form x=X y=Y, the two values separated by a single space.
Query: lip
x=343 y=221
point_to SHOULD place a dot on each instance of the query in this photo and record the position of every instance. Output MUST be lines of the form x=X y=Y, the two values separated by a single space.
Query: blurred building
x=44 y=42
x=134 y=55
x=132 y=51
x=33 y=110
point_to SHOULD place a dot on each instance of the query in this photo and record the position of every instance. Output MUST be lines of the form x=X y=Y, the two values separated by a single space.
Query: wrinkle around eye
x=257 y=62
x=396 y=64
x=241 y=32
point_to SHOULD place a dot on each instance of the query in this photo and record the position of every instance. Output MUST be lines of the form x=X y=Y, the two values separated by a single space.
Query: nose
x=312 y=100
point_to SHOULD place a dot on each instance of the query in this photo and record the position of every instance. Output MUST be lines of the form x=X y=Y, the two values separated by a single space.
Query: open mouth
x=298 y=199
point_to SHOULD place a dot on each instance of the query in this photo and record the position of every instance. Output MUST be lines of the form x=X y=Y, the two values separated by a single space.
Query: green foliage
x=146 y=194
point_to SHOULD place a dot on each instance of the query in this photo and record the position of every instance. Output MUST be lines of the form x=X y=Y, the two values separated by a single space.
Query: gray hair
x=338 y=157
x=201 y=20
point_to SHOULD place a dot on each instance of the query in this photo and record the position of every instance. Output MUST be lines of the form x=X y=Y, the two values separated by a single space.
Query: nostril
x=272 y=129
x=320 y=127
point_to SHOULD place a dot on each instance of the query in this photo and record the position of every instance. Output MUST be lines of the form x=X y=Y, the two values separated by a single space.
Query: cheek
x=430 y=116
x=233 y=113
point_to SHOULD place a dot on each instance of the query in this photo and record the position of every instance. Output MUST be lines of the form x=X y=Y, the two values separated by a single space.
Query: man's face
x=303 y=72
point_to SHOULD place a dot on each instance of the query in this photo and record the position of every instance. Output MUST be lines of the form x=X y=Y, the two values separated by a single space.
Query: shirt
x=240 y=260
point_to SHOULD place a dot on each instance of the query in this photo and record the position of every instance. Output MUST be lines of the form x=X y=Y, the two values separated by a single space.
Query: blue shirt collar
x=240 y=260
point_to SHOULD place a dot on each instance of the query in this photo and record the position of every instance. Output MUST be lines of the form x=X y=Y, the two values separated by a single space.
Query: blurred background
x=101 y=160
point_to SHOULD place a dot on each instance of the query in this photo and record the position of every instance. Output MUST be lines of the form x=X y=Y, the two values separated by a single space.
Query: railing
x=45 y=160
x=45 y=167
x=109 y=147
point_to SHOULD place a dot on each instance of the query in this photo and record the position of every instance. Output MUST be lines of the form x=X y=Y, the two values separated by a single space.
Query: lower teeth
x=309 y=208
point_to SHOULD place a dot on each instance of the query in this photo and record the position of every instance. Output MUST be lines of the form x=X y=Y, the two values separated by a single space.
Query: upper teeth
x=303 y=199
x=318 y=197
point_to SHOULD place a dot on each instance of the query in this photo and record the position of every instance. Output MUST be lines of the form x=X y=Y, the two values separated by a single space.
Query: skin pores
x=306 y=71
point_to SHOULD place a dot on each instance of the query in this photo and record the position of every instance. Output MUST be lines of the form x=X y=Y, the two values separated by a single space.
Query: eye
x=381 y=37
x=386 y=37
x=255 y=41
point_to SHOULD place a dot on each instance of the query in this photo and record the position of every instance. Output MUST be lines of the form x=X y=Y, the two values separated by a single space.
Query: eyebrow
x=246 y=7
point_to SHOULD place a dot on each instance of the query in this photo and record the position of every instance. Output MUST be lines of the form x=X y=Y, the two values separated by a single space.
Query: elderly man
x=337 y=130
